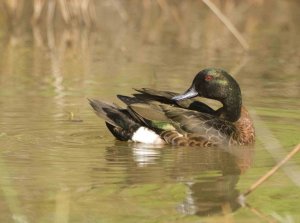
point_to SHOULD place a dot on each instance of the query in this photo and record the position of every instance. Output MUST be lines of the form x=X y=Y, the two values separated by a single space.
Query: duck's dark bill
x=190 y=93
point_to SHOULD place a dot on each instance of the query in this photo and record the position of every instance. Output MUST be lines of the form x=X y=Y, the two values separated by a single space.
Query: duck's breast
x=245 y=128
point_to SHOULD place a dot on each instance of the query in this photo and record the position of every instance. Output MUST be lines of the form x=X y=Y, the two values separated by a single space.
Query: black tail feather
x=101 y=109
x=118 y=120
x=118 y=132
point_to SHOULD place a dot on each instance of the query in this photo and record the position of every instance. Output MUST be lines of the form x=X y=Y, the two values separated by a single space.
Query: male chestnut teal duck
x=163 y=117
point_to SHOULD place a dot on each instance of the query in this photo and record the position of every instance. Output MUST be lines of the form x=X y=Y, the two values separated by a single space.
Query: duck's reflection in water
x=213 y=190
x=210 y=175
x=146 y=154
x=212 y=196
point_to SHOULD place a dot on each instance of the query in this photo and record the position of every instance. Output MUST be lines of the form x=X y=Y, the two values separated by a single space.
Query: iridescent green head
x=216 y=84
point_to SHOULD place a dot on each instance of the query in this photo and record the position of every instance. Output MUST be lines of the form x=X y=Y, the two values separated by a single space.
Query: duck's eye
x=208 y=77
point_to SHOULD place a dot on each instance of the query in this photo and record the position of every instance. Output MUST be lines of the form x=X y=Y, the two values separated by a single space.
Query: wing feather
x=200 y=124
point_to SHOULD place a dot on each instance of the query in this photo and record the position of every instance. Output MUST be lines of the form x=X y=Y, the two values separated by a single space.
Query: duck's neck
x=231 y=110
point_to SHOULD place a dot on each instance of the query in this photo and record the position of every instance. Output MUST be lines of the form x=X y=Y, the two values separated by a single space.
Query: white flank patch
x=145 y=135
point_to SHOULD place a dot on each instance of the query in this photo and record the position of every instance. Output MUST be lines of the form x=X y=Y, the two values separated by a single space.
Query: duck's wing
x=198 y=124
x=165 y=97
x=162 y=96
x=148 y=112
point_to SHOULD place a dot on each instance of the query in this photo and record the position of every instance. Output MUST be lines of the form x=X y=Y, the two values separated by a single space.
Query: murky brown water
x=59 y=163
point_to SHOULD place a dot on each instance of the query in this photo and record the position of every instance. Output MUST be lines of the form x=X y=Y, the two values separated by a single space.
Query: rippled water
x=59 y=163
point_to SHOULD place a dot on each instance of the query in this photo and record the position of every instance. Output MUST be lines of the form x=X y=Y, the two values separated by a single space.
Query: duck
x=165 y=117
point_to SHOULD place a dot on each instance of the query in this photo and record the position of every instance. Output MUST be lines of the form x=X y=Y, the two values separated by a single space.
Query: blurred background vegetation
x=152 y=20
